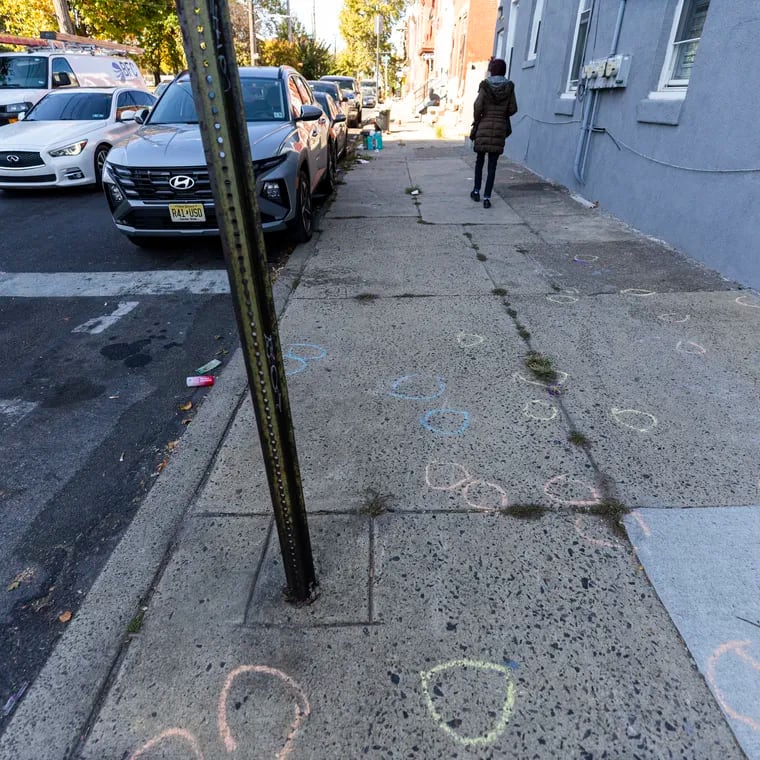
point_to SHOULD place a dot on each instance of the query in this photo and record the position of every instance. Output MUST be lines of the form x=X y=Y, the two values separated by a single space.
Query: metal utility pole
x=208 y=43
x=290 y=22
x=252 y=32
x=378 y=24
x=314 y=20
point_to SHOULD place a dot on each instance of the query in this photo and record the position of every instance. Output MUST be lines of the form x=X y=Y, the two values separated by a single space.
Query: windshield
x=23 y=71
x=72 y=106
x=368 y=84
x=263 y=100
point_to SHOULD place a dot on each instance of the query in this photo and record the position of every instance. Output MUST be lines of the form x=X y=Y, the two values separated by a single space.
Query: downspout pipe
x=589 y=114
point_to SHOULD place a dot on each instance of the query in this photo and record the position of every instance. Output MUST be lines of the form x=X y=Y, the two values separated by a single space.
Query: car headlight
x=70 y=150
x=16 y=107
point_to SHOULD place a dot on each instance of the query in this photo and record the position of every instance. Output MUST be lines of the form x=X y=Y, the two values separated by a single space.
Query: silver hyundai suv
x=157 y=182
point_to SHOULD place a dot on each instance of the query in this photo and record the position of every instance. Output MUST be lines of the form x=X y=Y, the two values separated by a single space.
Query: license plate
x=187 y=212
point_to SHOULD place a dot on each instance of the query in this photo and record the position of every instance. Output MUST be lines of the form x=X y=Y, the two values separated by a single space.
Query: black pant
x=490 y=174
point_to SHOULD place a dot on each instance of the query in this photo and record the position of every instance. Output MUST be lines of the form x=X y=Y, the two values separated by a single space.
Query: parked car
x=333 y=89
x=355 y=102
x=64 y=139
x=369 y=92
x=338 y=128
x=157 y=182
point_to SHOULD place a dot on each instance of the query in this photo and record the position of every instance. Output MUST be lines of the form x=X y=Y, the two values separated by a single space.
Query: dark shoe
x=475 y=195
x=486 y=203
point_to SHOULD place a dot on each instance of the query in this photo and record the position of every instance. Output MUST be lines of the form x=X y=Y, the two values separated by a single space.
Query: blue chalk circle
x=426 y=421
x=396 y=393
x=303 y=353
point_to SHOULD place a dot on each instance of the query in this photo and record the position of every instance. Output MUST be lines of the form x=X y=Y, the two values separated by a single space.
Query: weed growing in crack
x=524 y=511
x=540 y=366
x=578 y=439
x=135 y=624
x=481 y=256
x=512 y=313
x=375 y=503
x=523 y=333
x=499 y=292
x=366 y=297
x=556 y=288
x=410 y=190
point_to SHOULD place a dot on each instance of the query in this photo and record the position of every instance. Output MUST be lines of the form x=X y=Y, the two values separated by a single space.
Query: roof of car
x=89 y=90
x=265 y=72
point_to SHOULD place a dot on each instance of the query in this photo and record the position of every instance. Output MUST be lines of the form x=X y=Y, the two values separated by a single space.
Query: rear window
x=346 y=83
x=72 y=106
x=263 y=100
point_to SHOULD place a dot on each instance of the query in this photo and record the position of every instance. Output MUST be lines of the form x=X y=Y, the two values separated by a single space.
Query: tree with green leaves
x=311 y=58
x=357 y=25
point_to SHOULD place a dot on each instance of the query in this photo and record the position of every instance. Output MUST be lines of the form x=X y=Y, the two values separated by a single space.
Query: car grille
x=153 y=184
x=24 y=159
x=27 y=180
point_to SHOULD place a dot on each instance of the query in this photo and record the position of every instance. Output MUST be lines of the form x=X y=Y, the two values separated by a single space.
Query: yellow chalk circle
x=446 y=476
x=638 y=292
x=506 y=709
x=674 y=318
x=562 y=299
x=540 y=410
x=469 y=340
x=752 y=301
x=642 y=422
x=690 y=347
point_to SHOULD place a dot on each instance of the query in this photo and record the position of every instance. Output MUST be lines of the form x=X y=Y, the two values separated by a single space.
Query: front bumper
x=66 y=171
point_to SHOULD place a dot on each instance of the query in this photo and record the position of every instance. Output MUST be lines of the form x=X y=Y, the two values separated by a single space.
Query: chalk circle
x=302 y=707
x=601 y=542
x=569 y=491
x=469 y=340
x=301 y=354
x=690 y=347
x=416 y=390
x=672 y=319
x=446 y=476
x=562 y=378
x=294 y=365
x=641 y=422
x=561 y=298
x=540 y=410
x=752 y=301
x=168 y=735
x=736 y=649
x=438 y=429
x=503 y=714
x=640 y=292
x=485 y=496
x=585 y=259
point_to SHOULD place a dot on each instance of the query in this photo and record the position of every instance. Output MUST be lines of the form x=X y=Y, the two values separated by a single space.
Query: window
x=511 y=26
x=579 y=45
x=684 y=40
x=535 y=29
x=296 y=101
x=63 y=74
x=143 y=99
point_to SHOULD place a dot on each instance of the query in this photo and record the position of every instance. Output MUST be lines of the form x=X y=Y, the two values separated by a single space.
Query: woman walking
x=494 y=105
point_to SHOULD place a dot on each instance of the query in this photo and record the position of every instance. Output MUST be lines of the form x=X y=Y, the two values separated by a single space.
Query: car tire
x=100 y=159
x=302 y=225
x=149 y=243
x=331 y=172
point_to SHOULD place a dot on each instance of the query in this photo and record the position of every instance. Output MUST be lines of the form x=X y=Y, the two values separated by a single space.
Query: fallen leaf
x=186 y=407
x=161 y=466
x=186 y=421
x=64 y=617
x=13 y=586
x=25 y=575
x=172 y=445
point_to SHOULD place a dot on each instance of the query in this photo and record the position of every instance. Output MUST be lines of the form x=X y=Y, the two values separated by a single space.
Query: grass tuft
x=367 y=297
x=578 y=439
x=375 y=503
x=525 y=511
x=481 y=256
x=540 y=366
x=499 y=292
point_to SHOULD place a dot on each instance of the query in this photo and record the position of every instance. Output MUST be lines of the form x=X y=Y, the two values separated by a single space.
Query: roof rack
x=72 y=43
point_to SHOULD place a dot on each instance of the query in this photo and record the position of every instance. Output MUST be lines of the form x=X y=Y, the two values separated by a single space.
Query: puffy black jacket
x=494 y=105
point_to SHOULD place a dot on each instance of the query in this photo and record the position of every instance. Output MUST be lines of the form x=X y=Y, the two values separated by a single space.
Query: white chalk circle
x=690 y=347
x=571 y=492
x=469 y=340
x=446 y=476
x=503 y=713
x=752 y=301
x=585 y=259
x=485 y=496
x=561 y=379
x=640 y=292
x=561 y=299
x=540 y=410
x=641 y=422
x=674 y=319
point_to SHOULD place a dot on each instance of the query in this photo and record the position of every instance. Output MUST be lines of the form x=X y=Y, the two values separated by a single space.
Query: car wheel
x=302 y=224
x=331 y=173
x=100 y=159
x=147 y=242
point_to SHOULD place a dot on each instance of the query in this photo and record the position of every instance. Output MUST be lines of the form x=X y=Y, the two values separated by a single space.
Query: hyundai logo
x=13 y=159
x=182 y=182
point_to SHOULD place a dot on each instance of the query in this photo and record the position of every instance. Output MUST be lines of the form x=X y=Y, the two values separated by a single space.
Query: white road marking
x=14 y=409
x=99 y=324
x=112 y=284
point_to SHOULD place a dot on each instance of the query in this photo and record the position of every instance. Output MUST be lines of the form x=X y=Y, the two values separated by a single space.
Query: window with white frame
x=535 y=29
x=579 y=45
x=684 y=39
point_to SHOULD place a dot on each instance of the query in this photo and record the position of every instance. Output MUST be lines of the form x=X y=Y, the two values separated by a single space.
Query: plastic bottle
x=199 y=381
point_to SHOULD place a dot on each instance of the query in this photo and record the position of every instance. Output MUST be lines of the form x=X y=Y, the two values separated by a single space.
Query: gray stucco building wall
x=713 y=216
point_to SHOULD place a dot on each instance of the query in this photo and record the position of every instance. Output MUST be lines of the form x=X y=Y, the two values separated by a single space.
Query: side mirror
x=61 y=79
x=141 y=116
x=129 y=115
x=339 y=118
x=310 y=113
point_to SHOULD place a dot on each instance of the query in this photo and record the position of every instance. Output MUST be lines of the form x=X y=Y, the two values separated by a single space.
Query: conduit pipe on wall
x=588 y=121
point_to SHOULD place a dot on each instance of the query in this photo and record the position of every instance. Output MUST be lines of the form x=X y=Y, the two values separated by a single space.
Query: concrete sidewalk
x=479 y=597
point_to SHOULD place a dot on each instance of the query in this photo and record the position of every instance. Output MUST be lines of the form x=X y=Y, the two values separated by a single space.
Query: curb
x=51 y=720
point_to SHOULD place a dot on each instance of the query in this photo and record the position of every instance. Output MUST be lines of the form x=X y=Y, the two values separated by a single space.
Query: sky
x=327 y=18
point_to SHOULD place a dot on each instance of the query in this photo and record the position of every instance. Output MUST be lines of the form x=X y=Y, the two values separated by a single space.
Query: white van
x=26 y=77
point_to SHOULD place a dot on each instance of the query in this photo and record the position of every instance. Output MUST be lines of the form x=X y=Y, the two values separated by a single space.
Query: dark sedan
x=338 y=125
